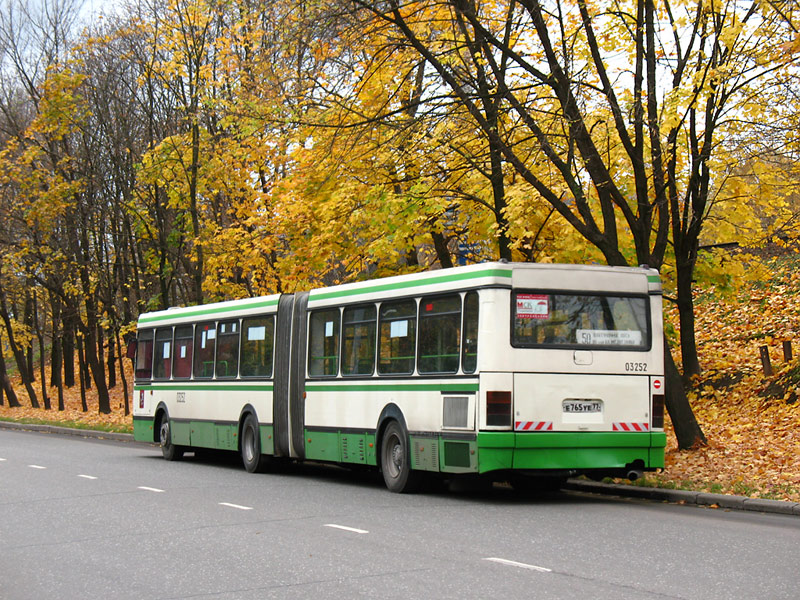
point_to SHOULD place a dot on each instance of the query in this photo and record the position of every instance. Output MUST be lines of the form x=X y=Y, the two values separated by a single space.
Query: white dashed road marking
x=512 y=563
x=149 y=489
x=88 y=476
x=37 y=467
x=239 y=506
x=352 y=529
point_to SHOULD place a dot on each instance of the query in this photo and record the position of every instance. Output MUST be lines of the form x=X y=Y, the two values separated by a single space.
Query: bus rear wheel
x=253 y=460
x=168 y=450
x=396 y=460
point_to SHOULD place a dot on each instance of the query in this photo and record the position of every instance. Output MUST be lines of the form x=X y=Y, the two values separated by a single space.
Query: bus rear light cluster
x=657 y=418
x=498 y=409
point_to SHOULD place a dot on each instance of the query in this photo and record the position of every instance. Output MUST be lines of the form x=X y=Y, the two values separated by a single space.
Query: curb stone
x=87 y=433
x=685 y=496
x=579 y=485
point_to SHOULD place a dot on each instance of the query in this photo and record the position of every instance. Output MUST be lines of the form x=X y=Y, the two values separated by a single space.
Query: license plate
x=583 y=406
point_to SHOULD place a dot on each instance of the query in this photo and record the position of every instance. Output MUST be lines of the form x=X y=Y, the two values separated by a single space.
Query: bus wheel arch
x=250 y=441
x=162 y=434
x=394 y=452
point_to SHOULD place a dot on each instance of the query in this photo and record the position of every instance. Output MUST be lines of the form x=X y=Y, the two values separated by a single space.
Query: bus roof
x=490 y=274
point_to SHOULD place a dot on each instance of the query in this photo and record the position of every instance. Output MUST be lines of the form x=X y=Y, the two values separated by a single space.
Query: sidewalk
x=684 y=497
x=579 y=485
x=88 y=433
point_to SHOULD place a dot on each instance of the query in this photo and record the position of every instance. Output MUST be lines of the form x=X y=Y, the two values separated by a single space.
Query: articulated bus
x=517 y=372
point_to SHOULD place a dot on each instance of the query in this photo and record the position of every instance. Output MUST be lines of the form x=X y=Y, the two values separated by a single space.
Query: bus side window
x=398 y=334
x=144 y=354
x=323 y=343
x=469 y=359
x=257 y=344
x=183 y=352
x=358 y=335
x=439 y=334
x=162 y=365
x=228 y=349
x=205 y=339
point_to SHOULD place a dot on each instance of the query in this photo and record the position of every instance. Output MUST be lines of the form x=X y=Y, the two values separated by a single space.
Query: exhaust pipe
x=635 y=474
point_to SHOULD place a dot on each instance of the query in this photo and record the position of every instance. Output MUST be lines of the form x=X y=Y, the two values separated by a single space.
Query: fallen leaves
x=752 y=424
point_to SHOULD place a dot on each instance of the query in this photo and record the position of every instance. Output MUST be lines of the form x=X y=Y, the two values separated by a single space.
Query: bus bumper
x=566 y=451
x=143 y=429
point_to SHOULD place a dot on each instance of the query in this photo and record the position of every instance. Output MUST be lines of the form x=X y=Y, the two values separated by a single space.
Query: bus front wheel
x=168 y=450
x=396 y=460
x=254 y=461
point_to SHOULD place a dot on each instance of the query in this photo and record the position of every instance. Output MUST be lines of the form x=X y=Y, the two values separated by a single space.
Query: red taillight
x=657 y=418
x=498 y=408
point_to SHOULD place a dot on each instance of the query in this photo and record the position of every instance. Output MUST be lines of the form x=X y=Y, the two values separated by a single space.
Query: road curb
x=684 y=497
x=87 y=433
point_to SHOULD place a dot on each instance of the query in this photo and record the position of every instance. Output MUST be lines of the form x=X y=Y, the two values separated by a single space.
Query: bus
x=513 y=372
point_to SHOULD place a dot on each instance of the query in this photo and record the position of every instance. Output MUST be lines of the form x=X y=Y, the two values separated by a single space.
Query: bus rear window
x=580 y=321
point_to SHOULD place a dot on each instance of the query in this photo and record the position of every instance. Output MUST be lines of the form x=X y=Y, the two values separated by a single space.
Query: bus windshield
x=585 y=321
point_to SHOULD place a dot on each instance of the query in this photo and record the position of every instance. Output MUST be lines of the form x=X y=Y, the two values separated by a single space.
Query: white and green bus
x=510 y=370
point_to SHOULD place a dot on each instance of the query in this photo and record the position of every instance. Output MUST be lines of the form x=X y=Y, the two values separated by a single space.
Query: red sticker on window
x=533 y=306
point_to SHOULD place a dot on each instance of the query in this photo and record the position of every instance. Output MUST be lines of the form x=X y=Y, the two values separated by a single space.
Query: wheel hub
x=397 y=456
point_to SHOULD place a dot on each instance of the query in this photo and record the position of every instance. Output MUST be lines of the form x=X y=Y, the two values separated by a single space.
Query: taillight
x=657 y=418
x=498 y=409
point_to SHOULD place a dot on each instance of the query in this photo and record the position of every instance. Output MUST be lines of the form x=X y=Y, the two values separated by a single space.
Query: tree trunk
x=17 y=351
x=111 y=363
x=685 y=303
x=442 y=252
x=56 y=351
x=122 y=375
x=40 y=339
x=28 y=320
x=68 y=344
x=5 y=381
x=687 y=429
x=82 y=377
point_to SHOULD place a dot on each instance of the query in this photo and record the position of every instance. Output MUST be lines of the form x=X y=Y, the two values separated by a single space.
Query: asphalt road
x=86 y=518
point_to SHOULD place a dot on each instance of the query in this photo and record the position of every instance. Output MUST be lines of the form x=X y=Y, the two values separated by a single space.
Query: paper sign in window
x=166 y=349
x=256 y=333
x=328 y=328
x=183 y=351
x=533 y=306
x=603 y=337
x=399 y=329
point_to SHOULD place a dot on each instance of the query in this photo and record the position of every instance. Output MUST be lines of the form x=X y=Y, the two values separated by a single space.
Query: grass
x=73 y=424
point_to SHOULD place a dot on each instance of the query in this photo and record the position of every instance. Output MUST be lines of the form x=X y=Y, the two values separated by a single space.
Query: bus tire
x=168 y=450
x=396 y=460
x=253 y=460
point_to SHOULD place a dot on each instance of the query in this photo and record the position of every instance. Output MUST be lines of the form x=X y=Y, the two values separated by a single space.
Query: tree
x=626 y=102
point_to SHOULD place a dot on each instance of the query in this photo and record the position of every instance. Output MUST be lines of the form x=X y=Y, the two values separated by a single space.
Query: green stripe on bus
x=392 y=387
x=653 y=279
x=386 y=287
x=205 y=387
x=205 y=310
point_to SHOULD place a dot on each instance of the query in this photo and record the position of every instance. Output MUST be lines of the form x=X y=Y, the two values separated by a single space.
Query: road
x=84 y=518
